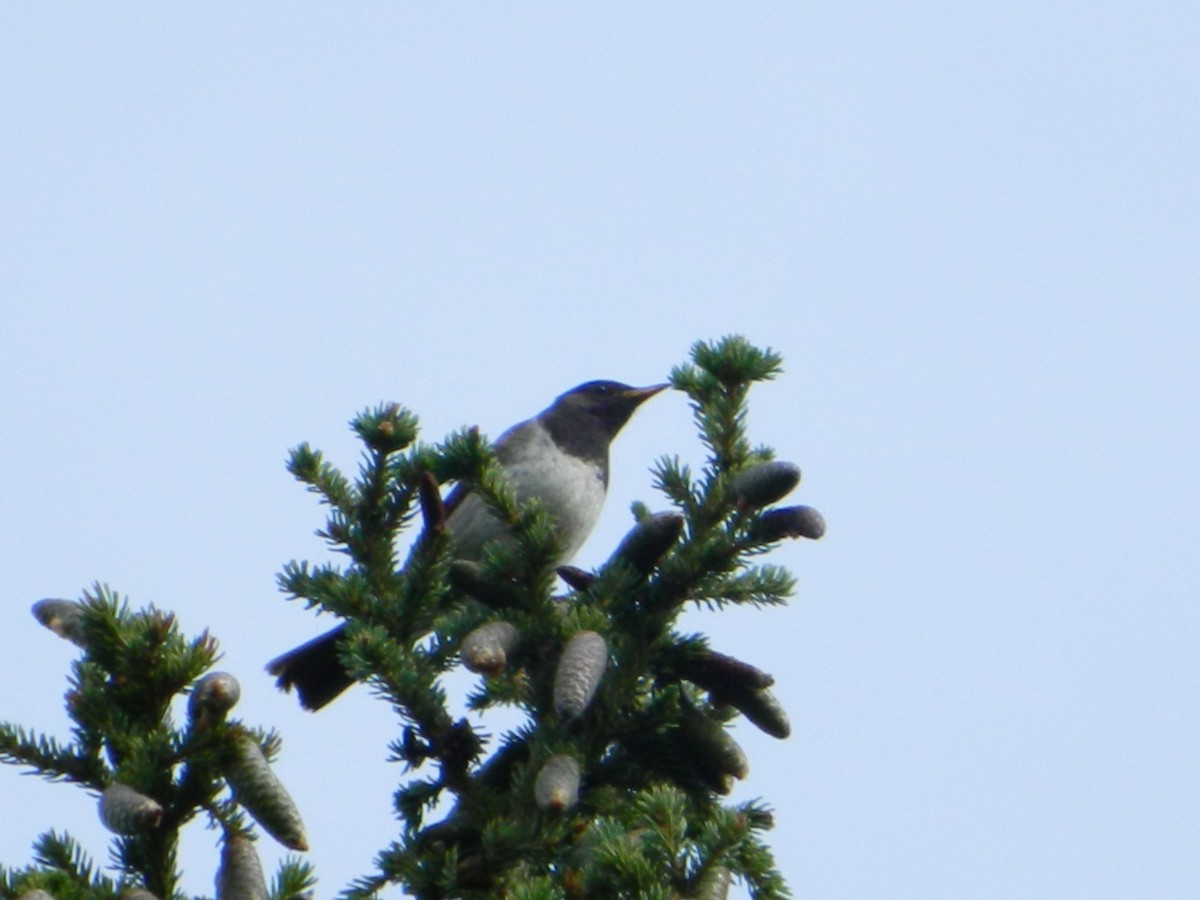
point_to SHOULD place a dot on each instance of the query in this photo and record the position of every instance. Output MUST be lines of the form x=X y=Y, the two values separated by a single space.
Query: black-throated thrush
x=559 y=457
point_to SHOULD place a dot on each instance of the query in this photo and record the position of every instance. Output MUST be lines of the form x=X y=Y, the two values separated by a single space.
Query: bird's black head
x=606 y=405
x=585 y=419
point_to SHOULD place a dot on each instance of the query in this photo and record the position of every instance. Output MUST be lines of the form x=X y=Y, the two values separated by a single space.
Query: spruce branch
x=151 y=775
x=62 y=853
x=47 y=757
x=309 y=467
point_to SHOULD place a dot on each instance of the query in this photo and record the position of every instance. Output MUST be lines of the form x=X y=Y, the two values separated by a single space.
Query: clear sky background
x=971 y=229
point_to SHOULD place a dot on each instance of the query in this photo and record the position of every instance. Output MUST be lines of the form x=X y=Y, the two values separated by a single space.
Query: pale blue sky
x=971 y=229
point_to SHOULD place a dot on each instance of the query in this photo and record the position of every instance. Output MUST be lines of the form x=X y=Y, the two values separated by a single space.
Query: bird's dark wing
x=456 y=496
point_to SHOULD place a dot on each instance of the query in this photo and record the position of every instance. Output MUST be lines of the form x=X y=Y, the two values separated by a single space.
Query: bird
x=559 y=457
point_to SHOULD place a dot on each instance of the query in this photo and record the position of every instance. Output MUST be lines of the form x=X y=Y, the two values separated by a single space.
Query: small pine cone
x=714 y=754
x=35 y=894
x=789 y=522
x=720 y=673
x=759 y=485
x=125 y=811
x=262 y=794
x=761 y=708
x=576 y=578
x=240 y=876
x=63 y=617
x=578 y=675
x=649 y=540
x=557 y=785
x=212 y=697
x=730 y=757
x=715 y=884
x=486 y=648
x=433 y=510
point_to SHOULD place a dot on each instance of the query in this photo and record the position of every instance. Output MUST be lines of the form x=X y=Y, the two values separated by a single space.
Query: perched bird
x=559 y=457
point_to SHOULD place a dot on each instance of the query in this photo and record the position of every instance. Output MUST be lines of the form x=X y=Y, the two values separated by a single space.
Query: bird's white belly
x=570 y=489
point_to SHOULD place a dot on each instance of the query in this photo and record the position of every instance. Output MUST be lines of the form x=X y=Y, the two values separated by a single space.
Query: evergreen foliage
x=151 y=775
x=613 y=783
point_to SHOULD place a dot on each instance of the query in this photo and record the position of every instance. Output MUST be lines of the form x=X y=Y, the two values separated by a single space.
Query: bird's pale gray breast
x=571 y=489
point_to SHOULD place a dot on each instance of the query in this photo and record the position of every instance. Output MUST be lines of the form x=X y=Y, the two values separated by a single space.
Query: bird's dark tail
x=314 y=670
